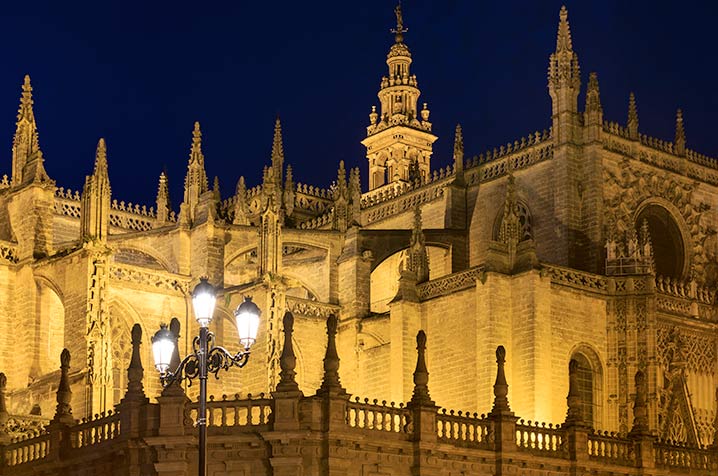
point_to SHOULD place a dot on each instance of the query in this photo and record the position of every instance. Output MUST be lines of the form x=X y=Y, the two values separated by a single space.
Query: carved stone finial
x=574 y=415
x=135 y=372
x=501 y=387
x=195 y=182
x=640 y=407
x=421 y=373
x=680 y=142
x=331 y=383
x=3 y=407
x=63 y=411
x=288 y=361
x=632 y=117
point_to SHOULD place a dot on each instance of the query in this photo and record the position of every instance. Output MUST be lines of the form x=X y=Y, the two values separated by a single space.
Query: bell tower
x=399 y=135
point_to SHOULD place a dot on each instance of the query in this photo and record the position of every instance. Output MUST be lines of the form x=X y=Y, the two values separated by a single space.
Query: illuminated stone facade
x=589 y=243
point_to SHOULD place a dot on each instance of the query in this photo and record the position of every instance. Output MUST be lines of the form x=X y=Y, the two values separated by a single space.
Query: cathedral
x=588 y=242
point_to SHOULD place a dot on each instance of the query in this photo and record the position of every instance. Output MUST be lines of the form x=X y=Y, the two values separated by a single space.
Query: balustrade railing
x=378 y=416
x=547 y=439
x=101 y=428
x=610 y=447
x=27 y=449
x=235 y=412
x=676 y=455
x=465 y=429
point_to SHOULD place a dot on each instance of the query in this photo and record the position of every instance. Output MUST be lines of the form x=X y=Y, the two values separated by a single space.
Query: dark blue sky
x=140 y=73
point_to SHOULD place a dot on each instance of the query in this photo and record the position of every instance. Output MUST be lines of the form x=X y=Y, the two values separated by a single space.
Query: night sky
x=139 y=74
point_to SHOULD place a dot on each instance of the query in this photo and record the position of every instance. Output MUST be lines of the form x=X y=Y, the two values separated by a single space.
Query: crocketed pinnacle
x=564 y=70
x=459 y=147
x=195 y=182
x=195 y=154
x=563 y=39
x=100 y=172
x=27 y=161
x=680 y=142
x=25 y=112
x=163 y=199
x=593 y=94
x=278 y=151
x=632 y=122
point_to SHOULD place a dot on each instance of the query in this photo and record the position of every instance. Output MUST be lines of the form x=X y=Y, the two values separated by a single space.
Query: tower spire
x=398 y=134
x=632 y=123
x=27 y=160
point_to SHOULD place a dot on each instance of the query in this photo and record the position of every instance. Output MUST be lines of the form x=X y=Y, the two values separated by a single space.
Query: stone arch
x=591 y=383
x=140 y=255
x=50 y=307
x=669 y=236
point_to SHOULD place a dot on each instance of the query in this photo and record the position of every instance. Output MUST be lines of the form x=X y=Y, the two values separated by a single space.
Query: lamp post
x=206 y=357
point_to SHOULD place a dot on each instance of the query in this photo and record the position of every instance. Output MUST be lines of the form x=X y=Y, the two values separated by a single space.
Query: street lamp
x=205 y=357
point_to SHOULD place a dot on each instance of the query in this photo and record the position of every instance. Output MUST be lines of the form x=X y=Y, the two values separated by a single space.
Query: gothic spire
x=27 y=161
x=100 y=171
x=680 y=142
x=163 y=199
x=458 y=150
x=563 y=38
x=632 y=117
x=195 y=182
x=240 y=204
x=564 y=82
x=289 y=192
x=95 y=207
x=278 y=151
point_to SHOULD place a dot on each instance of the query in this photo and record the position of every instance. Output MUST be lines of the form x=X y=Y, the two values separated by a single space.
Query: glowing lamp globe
x=163 y=346
x=247 y=318
x=204 y=298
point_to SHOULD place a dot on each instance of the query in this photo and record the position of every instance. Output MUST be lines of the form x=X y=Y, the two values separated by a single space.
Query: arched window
x=585 y=386
x=667 y=240
x=590 y=385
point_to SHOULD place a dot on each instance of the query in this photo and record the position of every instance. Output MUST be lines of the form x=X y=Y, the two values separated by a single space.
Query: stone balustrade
x=258 y=433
